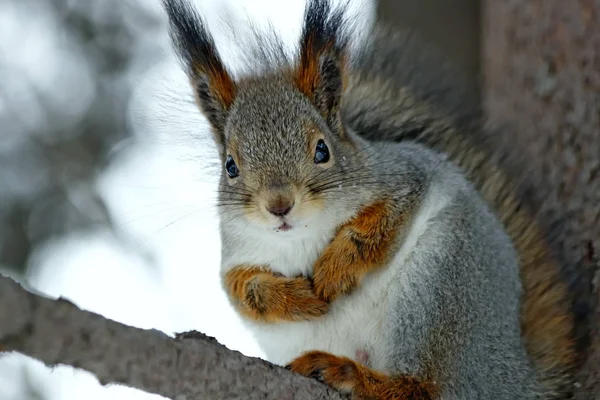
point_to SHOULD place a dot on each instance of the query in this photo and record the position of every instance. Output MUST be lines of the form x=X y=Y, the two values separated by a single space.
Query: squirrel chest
x=355 y=325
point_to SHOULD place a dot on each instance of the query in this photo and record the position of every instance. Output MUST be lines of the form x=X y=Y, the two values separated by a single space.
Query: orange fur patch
x=223 y=88
x=308 y=72
x=307 y=75
x=361 y=245
x=220 y=83
x=263 y=296
x=345 y=374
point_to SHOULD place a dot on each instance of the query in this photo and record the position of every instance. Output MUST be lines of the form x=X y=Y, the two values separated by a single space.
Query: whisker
x=240 y=195
x=317 y=175
x=353 y=176
x=155 y=213
x=168 y=225
x=224 y=205
x=349 y=157
x=145 y=207
x=360 y=180
x=235 y=190
x=238 y=216
x=341 y=179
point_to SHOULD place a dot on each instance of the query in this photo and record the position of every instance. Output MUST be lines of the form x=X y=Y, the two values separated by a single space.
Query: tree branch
x=191 y=366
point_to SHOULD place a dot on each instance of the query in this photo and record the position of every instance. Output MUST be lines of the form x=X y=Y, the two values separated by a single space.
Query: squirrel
x=372 y=236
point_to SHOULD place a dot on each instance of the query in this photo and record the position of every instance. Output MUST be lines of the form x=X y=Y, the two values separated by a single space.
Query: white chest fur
x=354 y=323
x=337 y=331
x=286 y=254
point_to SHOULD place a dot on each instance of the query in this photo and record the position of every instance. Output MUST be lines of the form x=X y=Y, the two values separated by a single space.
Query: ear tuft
x=214 y=89
x=320 y=73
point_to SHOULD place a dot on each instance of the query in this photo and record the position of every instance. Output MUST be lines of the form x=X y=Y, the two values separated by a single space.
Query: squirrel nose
x=280 y=207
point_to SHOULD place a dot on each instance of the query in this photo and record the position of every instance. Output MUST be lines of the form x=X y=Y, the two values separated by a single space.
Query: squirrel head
x=283 y=145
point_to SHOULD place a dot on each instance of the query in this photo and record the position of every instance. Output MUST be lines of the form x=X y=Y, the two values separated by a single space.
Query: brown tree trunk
x=541 y=67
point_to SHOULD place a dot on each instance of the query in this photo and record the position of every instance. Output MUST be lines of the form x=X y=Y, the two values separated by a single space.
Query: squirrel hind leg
x=363 y=382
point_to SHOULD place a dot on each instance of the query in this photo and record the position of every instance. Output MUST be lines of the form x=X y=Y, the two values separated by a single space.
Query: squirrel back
x=399 y=90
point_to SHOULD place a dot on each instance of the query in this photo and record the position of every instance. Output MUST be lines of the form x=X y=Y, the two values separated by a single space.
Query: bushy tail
x=400 y=91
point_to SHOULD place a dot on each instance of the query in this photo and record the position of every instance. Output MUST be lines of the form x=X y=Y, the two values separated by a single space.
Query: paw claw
x=318 y=376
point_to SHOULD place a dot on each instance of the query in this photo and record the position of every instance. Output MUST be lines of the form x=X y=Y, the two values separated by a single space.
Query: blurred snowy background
x=107 y=172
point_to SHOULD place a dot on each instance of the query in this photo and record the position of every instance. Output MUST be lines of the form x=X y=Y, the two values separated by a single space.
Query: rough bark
x=190 y=366
x=541 y=64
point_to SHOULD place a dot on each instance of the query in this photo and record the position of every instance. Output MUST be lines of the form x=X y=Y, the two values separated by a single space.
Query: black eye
x=322 y=153
x=231 y=168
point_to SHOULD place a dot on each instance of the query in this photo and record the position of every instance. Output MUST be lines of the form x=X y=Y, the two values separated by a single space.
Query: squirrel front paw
x=360 y=246
x=264 y=296
x=280 y=298
x=333 y=274
x=340 y=267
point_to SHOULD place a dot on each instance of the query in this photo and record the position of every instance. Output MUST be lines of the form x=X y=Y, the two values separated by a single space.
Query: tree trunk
x=541 y=64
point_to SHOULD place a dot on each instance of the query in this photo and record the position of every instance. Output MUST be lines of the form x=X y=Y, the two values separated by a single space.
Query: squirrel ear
x=320 y=74
x=213 y=87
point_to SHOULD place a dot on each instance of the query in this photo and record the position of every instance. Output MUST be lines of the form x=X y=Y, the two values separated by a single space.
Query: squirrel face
x=279 y=157
x=280 y=134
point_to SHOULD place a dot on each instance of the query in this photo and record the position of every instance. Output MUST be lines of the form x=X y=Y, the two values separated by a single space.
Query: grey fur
x=453 y=313
x=458 y=324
